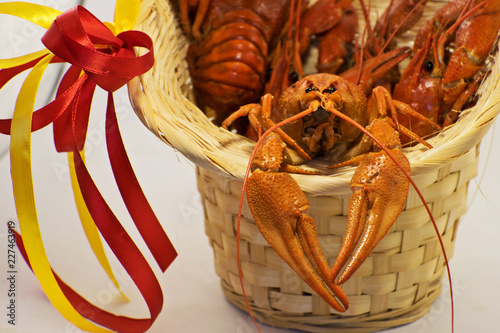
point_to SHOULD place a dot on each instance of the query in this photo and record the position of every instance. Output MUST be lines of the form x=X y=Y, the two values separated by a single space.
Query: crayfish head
x=421 y=88
x=321 y=129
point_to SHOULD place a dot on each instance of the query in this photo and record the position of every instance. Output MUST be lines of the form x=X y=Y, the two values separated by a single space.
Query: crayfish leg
x=252 y=111
x=297 y=169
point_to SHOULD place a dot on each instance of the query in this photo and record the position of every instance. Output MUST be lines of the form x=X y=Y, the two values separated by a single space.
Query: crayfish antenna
x=407 y=175
x=371 y=241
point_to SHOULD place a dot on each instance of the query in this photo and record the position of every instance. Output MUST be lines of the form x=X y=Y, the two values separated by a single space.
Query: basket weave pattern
x=397 y=283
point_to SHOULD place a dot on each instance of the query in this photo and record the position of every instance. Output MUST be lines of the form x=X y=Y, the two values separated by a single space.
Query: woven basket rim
x=418 y=310
x=155 y=98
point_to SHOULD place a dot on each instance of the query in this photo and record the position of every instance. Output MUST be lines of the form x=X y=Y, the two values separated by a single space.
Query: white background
x=193 y=299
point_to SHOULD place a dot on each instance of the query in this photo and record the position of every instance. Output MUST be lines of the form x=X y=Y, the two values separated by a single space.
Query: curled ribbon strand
x=107 y=61
x=89 y=227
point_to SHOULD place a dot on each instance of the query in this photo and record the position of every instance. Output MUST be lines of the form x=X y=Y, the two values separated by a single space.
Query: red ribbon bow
x=109 y=61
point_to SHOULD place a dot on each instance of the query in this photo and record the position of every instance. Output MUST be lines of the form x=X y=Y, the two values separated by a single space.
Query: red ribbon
x=109 y=62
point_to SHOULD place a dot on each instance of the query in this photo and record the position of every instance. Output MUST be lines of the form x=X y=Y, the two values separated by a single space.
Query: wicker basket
x=397 y=283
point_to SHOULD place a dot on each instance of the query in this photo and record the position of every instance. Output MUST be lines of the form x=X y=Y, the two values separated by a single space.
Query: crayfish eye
x=269 y=74
x=428 y=67
x=309 y=89
x=330 y=90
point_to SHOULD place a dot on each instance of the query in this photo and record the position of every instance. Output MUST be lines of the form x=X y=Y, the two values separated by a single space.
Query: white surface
x=193 y=299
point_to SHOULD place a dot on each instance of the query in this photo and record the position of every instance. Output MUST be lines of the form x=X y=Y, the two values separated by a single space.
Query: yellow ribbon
x=89 y=226
x=20 y=153
x=126 y=13
x=13 y=62
x=38 y=14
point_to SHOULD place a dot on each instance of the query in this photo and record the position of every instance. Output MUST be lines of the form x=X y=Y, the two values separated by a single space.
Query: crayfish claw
x=280 y=210
x=358 y=208
x=380 y=189
x=308 y=236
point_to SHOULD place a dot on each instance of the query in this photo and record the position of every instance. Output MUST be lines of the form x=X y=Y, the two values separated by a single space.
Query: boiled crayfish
x=323 y=112
x=228 y=58
x=451 y=49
